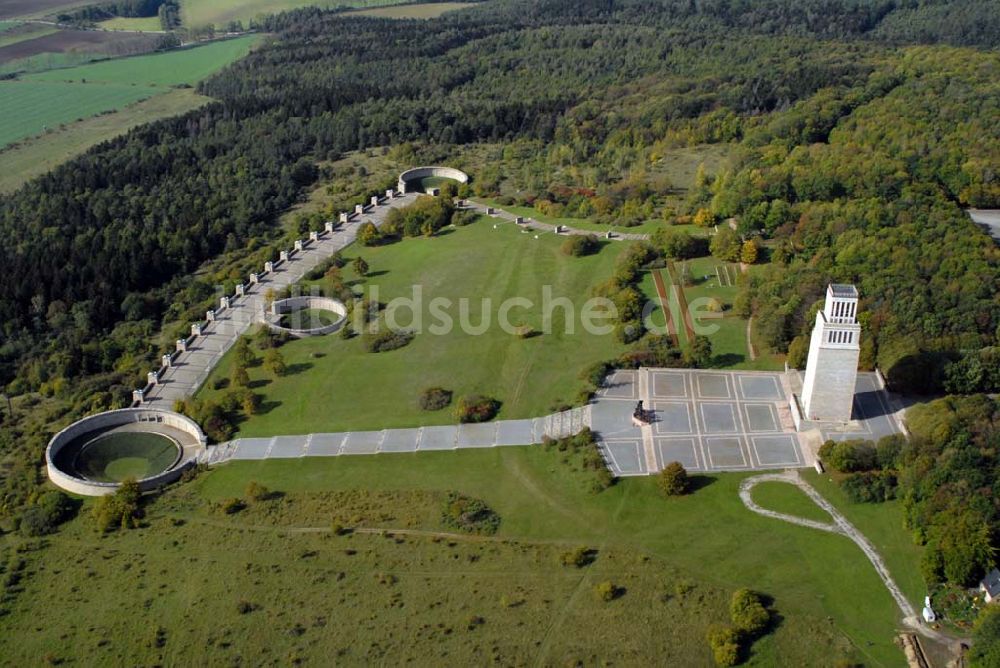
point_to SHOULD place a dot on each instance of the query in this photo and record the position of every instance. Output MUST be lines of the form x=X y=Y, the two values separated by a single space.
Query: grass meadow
x=196 y=13
x=789 y=499
x=530 y=376
x=273 y=584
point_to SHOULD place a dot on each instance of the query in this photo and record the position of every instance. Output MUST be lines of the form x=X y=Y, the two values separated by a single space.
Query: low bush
x=748 y=614
x=469 y=515
x=725 y=644
x=673 y=480
x=580 y=557
x=476 y=408
x=257 y=492
x=870 y=486
x=48 y=511
x=849 y=456
x=232 y=506
x=435 y=398
x=387 y=339
x=578 y=245
x=607 y=591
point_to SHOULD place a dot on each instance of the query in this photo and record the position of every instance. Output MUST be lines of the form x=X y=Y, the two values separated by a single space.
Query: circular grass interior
x=119 y=455
x=308 y=318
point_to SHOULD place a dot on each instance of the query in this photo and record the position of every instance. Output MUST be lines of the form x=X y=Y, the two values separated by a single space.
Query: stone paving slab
x=683 y=450
x=776 y=450
x=326 y=445
x=673 y=417
x=362 y=443
x=400 y=440
x=477 y=435
x=726 y=452
x=761 y=417
x=625 y=456
x=759 y=388
x=252 y=448
x=438 y=438
x=515 y=432
x=287 y=446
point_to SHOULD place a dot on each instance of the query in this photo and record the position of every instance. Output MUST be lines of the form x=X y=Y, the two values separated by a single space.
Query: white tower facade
x=832 y=367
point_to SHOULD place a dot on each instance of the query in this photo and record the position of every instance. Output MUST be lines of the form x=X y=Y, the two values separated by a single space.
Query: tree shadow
x=697 y=482
x=261 y=382
x=727 y=359
x=267 y=406
x=379 y=272
x=298 y=367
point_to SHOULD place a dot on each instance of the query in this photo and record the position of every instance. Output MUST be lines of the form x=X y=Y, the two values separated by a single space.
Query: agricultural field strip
x=190 y=369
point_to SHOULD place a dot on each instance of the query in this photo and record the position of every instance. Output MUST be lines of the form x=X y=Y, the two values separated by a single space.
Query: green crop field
x=373 y=390
x=28 y=108
x=195 y=13
x=145 y=24
x=272 y=582
x=37 y=155
x=182 y=66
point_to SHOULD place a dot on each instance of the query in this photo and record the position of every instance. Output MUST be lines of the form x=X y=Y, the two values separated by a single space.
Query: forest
x=859 y=132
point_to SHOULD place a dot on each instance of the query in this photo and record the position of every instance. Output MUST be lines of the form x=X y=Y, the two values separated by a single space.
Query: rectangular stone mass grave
x=725 y=452
x=482 y=435
x=759 y=387
x=719 y=418
x=362 y=443
x=761 y=417
x=683 y=450
x=251 y=448
x=626 y=456
x=777 y=450
x=673 y=417
x=325 y=445
x=287 y=447
x=516 y=432
x=438 y=438
x=713 y=386
x=669 y=385
x=400 y=440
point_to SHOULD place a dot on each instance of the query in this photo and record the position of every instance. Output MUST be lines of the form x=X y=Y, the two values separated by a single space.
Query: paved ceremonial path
x=189 y=369
x=531 y=223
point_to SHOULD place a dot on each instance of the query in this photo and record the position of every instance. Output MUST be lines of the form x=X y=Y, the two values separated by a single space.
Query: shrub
x=476 y=408
x=580 y=557
x=849 y=456
x=232 y=506
x=578 y=245
x=606 y=591
x=748 y=614
x=725 y=645
x=434 y=398
x=870 y=486
x=469 y=515
x=673 y=479
x=257 y=492
x=120 y=509
x=595 y=373
x=48 y=511
x=387 y=339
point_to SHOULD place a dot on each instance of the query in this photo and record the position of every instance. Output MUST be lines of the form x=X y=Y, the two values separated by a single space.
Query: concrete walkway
x=839 y=525
x=532 y=224
x=422 y=439
x=190 y=368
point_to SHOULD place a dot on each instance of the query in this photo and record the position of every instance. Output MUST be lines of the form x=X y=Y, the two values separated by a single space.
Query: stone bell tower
x=832 y=367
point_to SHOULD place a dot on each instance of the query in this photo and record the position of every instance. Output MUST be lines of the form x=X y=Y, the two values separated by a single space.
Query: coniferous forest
x=861 y=130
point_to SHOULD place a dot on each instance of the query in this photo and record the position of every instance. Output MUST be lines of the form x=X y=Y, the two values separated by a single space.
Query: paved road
x=189 y=369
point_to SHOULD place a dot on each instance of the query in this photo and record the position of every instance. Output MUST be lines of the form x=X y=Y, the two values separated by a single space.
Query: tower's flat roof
x=843 y=290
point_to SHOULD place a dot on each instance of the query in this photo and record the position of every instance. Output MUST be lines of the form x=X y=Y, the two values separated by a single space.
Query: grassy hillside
x=196 y=13
x=273 y=583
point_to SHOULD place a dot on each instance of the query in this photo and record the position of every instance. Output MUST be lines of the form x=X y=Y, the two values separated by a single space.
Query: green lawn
x=789 y=499
x=171 y=592
x=27 y=108
x=182 y=66
x=28 y=31
x=882 y=523
x=361 y=390
x=423 y=10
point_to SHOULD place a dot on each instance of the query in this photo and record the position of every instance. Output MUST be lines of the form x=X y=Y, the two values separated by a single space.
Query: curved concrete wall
x=424 y=172
x=109 y=419
x=307 y=302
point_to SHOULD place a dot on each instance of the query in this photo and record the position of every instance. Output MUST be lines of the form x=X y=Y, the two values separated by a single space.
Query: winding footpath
x=839 y=525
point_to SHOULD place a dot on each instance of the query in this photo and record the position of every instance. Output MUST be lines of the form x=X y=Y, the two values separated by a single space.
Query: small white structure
x=182 y=345
x=609 y=235
x=283 y=256
x=560 y=229
x=241 y=290
x=832 y=366
x=314 y=236
x=374 y=200
x=328 y=227
x=210 y=315
x=344 y=217
x=519 y=220
x=166 y=361
x=390 y=193
x=196 y=329
x=268 y=267
x=254 y=278
x=223 y=303
x=359 y=209
x=137 y=396
x=298 y=245
x=990 y=585
x=928 y=611
x=151 y=378
x=490 y=211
